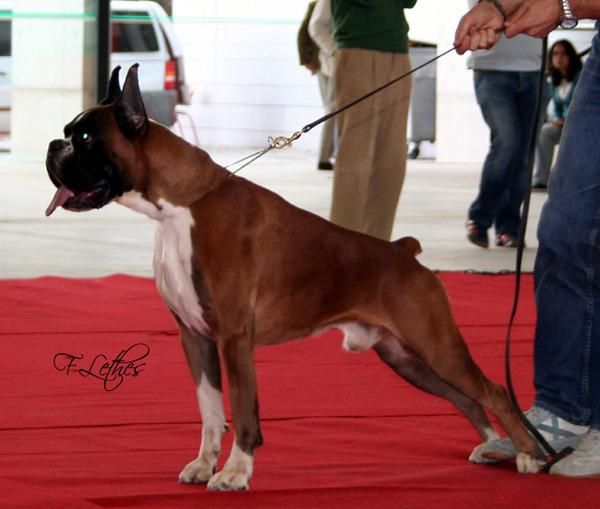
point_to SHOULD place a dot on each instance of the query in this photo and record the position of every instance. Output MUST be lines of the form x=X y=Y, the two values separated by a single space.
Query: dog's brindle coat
x=239 y=267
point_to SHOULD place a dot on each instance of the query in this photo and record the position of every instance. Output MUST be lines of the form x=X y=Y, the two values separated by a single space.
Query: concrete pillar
x=53 y=58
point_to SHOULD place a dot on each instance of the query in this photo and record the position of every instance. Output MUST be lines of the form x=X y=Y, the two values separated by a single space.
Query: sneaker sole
x=571 y=476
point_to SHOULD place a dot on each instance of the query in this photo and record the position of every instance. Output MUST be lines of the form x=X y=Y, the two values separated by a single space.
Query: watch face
x=568 y=23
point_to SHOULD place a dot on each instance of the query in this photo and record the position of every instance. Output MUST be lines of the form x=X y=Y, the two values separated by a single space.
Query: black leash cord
x=326 y=117
x=554 y=456
x=283 y=141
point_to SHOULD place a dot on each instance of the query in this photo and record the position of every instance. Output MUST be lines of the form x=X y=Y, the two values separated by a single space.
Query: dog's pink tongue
x=60 y=197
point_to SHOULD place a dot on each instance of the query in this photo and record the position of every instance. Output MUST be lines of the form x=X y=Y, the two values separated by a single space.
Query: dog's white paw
x=229 y=480
x=236 y=473
x=198 y=471
x=527 y=464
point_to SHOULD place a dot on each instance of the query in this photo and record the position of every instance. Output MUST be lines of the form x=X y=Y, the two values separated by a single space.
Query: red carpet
x=341 y=430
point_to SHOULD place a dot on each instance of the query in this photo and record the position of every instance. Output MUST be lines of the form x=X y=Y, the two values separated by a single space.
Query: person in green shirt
x=371 y=37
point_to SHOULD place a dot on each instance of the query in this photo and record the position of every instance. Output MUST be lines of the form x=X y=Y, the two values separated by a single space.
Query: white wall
x=242 y=61
x=50 y=85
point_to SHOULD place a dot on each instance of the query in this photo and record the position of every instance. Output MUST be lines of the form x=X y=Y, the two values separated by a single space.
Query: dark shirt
x=371 y=24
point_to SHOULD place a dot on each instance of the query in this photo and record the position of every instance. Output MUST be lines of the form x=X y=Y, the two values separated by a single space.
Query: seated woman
x=564 y=66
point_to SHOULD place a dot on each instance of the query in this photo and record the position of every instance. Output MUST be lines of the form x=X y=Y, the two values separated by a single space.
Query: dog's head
x=93 y=163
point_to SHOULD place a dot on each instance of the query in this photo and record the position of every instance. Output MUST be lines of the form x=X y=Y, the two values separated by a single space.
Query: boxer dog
x=239 y=268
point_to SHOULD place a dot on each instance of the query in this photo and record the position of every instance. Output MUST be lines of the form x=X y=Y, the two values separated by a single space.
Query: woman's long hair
x=574 y=63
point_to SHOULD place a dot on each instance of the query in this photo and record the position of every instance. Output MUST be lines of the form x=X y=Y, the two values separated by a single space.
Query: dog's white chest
x=173 y=268
x=173 y=259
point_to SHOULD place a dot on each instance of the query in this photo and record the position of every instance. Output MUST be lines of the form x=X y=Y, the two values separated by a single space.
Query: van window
x=133 y=32
x=5 y=36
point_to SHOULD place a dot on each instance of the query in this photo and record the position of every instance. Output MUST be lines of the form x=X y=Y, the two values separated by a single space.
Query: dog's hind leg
x=411 y=367
x=203 y=359
x=238 y=356
x=425 y=324
x=448 y=356
x=494 y=397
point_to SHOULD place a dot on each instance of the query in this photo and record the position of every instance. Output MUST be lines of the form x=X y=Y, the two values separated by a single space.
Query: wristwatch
x=567 y=19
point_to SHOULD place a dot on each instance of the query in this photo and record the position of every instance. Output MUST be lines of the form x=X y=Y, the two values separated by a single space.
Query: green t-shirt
x=371 y=24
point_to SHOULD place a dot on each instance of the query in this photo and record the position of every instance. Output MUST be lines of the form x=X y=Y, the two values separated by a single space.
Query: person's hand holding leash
x=479 y=28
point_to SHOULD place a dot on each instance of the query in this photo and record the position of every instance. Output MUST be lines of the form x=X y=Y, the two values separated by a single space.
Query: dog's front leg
x=203 y=359
x=238 y=355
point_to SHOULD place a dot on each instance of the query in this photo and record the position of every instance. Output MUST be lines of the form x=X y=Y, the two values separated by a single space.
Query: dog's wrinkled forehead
x=84 y=124
x=79 y=120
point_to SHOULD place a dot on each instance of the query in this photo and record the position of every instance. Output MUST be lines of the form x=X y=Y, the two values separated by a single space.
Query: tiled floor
x=115 y=240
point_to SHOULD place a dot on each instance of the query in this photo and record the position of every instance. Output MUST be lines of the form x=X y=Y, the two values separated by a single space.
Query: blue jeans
x=507 y=100
x=567 y=267
x=548 y=138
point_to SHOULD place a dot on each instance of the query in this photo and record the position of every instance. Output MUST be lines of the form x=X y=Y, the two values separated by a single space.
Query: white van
x=142 y=32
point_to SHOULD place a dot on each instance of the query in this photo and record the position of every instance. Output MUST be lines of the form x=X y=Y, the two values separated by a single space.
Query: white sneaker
x=558 y=432
x=584 y=461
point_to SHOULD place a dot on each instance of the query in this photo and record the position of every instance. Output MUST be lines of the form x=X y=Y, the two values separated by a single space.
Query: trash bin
x=422 y=102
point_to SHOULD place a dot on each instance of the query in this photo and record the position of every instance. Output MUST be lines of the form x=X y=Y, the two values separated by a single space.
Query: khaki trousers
x=371 y=160
x=328 y=132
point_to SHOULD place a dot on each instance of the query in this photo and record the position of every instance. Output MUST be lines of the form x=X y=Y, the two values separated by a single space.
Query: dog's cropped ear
x=129 y=106
x=114 y=89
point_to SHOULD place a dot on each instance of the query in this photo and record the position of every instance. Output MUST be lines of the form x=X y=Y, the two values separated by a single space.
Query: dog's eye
x=86 y=138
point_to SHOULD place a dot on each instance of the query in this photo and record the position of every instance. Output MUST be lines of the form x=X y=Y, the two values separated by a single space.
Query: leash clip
x=283 y=141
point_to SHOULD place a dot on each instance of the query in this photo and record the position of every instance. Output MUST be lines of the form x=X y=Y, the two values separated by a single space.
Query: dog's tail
x=411 y=244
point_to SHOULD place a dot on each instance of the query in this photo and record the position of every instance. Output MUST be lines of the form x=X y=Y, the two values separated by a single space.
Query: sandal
x=477 y=234
x=507 y=240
